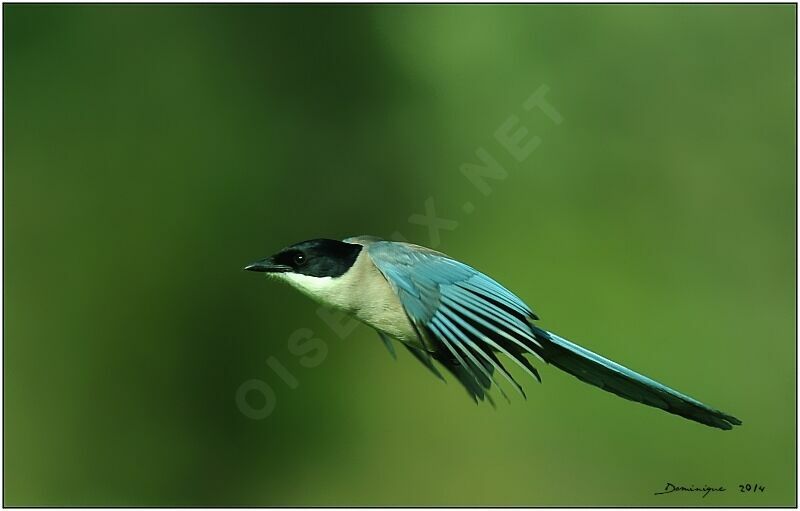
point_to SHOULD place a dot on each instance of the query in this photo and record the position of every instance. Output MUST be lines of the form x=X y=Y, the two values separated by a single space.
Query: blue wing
x=464 y=317
x=461 y=314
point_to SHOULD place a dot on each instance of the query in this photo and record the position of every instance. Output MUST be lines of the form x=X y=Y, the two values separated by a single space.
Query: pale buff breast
x=363 y=292
x=377 y=304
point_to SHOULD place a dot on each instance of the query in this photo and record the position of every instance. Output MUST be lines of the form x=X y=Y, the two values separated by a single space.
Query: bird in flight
x=441 y=309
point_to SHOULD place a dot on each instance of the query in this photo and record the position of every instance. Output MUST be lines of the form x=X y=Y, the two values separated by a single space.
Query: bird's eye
x=299 y=259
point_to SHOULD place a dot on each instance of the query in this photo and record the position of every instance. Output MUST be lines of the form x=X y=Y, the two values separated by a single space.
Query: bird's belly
x=392 y=321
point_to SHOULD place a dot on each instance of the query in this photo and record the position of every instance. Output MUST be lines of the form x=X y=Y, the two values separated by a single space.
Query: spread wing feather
x=464 y=314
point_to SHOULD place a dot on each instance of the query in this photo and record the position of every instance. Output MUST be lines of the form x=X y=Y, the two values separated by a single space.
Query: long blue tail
x=612 y=377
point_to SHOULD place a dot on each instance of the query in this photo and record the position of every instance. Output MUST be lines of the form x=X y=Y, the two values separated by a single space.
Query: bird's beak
x=267 y=266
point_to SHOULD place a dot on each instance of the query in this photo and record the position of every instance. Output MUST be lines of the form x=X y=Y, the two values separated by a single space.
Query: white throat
x=331 y=291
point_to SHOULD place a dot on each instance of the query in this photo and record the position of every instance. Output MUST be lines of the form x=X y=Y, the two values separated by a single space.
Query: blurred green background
x=151 y=151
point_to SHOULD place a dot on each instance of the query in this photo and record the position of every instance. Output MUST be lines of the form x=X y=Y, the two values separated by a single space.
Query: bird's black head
x=315 y=258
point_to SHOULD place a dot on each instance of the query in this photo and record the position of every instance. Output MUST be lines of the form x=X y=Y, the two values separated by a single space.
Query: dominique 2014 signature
x=706 y=490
